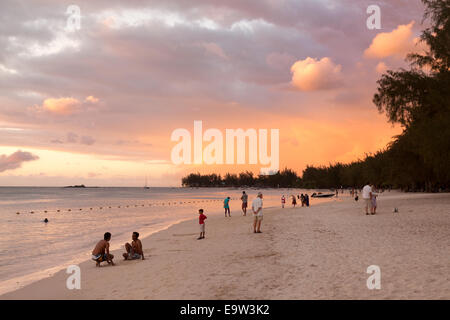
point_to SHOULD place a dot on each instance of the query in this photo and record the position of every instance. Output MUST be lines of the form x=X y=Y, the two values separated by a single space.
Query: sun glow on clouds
x=397 y=43
x=312 y=74
x=74 y=167
x=64 y=106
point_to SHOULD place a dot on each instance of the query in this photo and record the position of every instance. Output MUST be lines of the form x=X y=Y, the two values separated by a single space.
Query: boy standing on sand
x=101 y=251
x=257 y=205
x=283 y=201
x=134 y=250
x=244 y=199
x=201 y=222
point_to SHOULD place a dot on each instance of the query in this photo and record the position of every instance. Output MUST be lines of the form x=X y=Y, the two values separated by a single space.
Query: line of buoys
x=143 y=205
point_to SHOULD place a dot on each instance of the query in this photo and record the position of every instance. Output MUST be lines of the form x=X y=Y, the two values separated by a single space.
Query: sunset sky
x=98 y=105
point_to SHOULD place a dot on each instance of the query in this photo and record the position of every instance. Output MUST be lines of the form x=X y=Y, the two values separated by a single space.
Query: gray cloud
x=87 y=140
x=15 y=160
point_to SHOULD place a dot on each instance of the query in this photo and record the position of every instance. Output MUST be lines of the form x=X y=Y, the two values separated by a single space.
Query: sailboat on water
x=146 y=186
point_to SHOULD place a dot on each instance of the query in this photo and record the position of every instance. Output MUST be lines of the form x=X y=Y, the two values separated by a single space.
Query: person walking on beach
x=244 y=199
x=283 y=201
x=307 y=199
x=294 y=202
x=134 y=250
x=257 y=206
x=367 y=197
x=226 y=205
x=201 y=223
x=101 y=251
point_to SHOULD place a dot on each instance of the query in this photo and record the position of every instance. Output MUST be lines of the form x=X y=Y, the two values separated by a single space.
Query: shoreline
x=23 y=281
x=20 y=282
x=319 y=252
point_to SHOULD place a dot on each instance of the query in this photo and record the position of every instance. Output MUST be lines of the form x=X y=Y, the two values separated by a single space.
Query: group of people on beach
x=303 y=198
x=135 y=251
x=257 y=205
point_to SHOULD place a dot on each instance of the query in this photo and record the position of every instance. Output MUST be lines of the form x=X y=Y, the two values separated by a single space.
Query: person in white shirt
x=367 y=197
x=257 y=205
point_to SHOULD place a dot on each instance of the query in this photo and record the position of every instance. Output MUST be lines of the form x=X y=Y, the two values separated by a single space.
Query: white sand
x=320 y=252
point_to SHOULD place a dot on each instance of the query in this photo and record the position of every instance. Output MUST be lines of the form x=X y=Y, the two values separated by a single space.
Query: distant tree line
x=286 y=178
x=418 y=99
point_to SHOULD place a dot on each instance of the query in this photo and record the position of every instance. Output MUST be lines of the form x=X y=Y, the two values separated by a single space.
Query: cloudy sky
x=98 y=105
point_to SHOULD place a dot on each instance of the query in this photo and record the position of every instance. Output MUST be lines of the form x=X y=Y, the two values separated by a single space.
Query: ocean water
x=78 y=217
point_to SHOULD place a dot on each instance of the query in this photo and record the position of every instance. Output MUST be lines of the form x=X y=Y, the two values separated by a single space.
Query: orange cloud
x=311 y=74
x=397 y=43
x=64 y=106
x=91 y=99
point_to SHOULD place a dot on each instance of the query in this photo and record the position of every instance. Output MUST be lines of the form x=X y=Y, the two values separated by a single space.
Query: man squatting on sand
x=101 y=251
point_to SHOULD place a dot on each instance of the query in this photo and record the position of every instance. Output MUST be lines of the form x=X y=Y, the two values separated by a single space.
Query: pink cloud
x=214 y=49
x=312 y=74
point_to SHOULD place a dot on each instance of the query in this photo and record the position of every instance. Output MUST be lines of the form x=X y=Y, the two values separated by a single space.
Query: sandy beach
x=320 y=252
